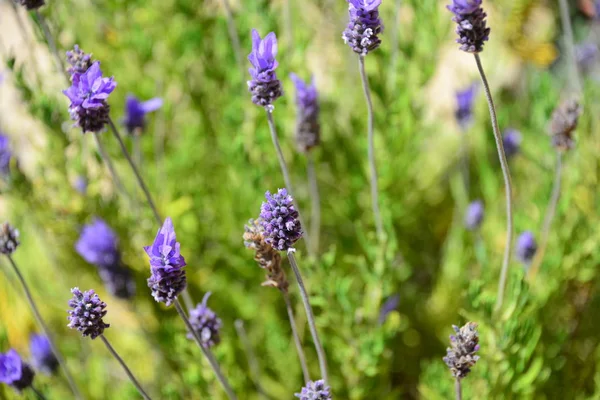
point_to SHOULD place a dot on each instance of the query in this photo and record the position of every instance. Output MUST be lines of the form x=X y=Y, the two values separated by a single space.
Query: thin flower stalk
x=569 y=43
x=250 y=356
x=395 y=45
x=297 y=341
x=110 y=166
x=458 y=389
x=234 y=37
x=315 y=220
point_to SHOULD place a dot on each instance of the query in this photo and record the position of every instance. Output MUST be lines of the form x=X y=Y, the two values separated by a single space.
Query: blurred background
x=208 y=159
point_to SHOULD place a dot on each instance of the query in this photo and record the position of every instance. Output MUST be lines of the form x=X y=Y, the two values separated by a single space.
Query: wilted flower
x=390 y=305
x=206 y=323
x=280 y=220
x=564 y=122
x=118 y=280
x=88 y=94
x=166 y=265
x=474 y=215
x=316 y=390
x=136 y=110
x=79 y=61
x=14 y=371
x=32 y=4
x=471 y=25
x=308 y=130
x=9 y=239
x=87 y=313
x=460 y=356
x=5 y=155
x=512 y=142
x=464 y=106
x=266 y=256
x=364 y=27
x=526 y=247
x=97 y=244
x=264 y=86
x=42 y=356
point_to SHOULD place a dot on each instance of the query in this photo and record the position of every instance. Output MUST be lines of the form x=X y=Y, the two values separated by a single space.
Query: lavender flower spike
x=526 y=247
x=471 y=24
x=464 y=106
x=317 y=390
x=474 y=215
x=42 y=357
x=364 y=27
x=264 y=85
x=279 y=219
x=461 y=355
x=308 y=129
x=166 y=265
x=14 y=371
x=205 y=323
x=88 y=94
x=79 y=61
x=97 y=244
x=5 y=155
x=136 y=110
x=87 y=313
x=512 y=142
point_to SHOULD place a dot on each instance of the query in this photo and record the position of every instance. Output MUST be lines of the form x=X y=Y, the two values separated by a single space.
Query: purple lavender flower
x=136 y=110
x=42 y=356
x=526 y=247
x=264 y=86
x=87 y=313
x=14 y=371
x=32 y=4
x=5 y=154
x=166 y=265
x=471 y=25
x=390 y=305
x=88 y=94
x=279 y=219
x=206 y=323
x=9 y=239
x=512 y=142
x=118 y=281
x=97 y=244
x=460 y=357
x=316 y=390
x=474 y=215
x=464 y=106
x=364 y=27
x=308 y=129
x=79 y=61
x=80 y=184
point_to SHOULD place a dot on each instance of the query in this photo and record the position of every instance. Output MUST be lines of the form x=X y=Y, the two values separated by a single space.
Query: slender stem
x=110 y=165
x=39 y=394
x=507 y=184
x=235 y=39
x=139 y=178
x=206 y=351
x=45 y=328
x=137 y=150
x=395 y=46
x=372 y=165
x=549 y=217
x=574 y=80
x=51 y=43
x=309 y=315
x=287 y=20
x=458 y=389
x=297 y=341
x=250 y=356
x=127 y=370
x=284 y=171
x=315 y=220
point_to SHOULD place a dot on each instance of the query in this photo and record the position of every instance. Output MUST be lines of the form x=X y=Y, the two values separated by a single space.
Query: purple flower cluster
x=464 y=106
x=87 y=313
x=364 y=27
x=264 y=85
x=279 y=219
x=206 y=323
x=308 y=129
x=98 y=244
x=136 y=110
x=474 y=215
x=79 y=61
x=512 y=142
x=88 y=94
x=166 y=265
x=14 y=371
x=5 y=154
x=316 y=390
x=526 y=247
x=9 y=239
x=460 y=356
x=42 y=356
x=471 y=24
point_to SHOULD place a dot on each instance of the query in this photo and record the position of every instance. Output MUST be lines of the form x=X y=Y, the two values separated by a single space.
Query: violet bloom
x=206 y=323
x=136 y=110
x=14 y=371
x=464 y=106
x=526 y=247
x=79 y=61
x=308 y=129
x=471 y=25
x=88 y=94
x=474 y=215
x=460 y=356
x=9 y=239
x=97 y=244
x=391 y=304
x=42 y=356
x=80 y=184
x=316 y=390
x=87 y=313
x=364 y=27
x=279 y=219
x=32 y=4
x=512 y=142
x=264 y=86
x=5 y=154
x=166 y=265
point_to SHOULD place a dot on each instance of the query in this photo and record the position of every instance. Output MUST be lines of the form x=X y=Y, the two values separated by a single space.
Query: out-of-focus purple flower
x=80 y=184
x=14 y=371
x=512 y=142
x=264 y=85
x=474 y=215
x=587 y=55
x=9 y=239
x=526 y=247
x=316 y=390
x=460 y=357
x=471 y=25
x=597 y=9
x=98 y=244
x=364 y=26
x=88 y=94
x=136 y=110
x=166 y=265
x=79 y=61
x=87 y=313
x=118 y=281
x=390 y=305
x=32 y=4
x=42 y=356
x=5 y=155
x=279 y=219
x=206 y=323
x=464 y=106
x=563 y=124
x=308 y=129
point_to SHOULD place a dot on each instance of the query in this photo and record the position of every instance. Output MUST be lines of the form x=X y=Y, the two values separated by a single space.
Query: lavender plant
x=317 y=390
x=17 y=373
x=42 y=356
x=207 y=325
x=362 y=35
x=460 y=356
x=511 y=139
x=474 y=215
x=5 y=155
x=135 y=120
x=464 y=117
x=526 y=248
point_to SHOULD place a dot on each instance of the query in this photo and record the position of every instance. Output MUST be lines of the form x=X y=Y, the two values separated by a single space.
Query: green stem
x=574 y=80
x=458 y=389
x=315 y=220
x=296 y=336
